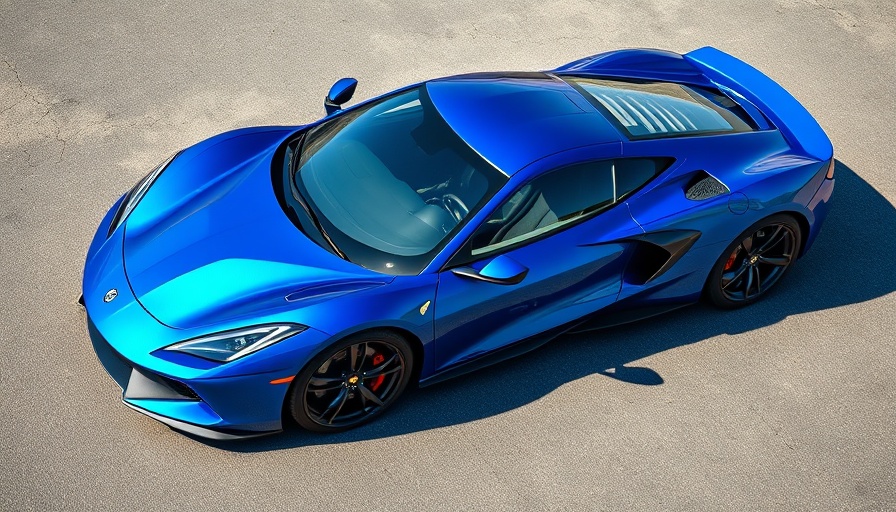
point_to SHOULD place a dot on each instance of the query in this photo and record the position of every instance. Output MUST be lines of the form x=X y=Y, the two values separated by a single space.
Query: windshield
x=390 y=183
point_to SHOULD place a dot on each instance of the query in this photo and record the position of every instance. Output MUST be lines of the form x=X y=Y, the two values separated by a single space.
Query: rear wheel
x=754 y=262
x=351 y=382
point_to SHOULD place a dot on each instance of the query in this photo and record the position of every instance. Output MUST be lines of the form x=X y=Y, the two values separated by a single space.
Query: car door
x=554 y=252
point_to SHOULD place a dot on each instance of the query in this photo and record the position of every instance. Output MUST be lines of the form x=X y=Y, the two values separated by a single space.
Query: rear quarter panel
x=764 y=177
x=663 y=205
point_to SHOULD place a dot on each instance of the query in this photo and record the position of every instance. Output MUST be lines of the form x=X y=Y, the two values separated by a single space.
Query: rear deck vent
x=703 y=186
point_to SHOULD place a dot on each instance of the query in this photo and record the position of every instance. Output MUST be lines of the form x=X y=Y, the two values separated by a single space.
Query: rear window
x=662 y=109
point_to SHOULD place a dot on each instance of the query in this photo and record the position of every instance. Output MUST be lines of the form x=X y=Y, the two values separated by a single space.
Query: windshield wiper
x=297 y=195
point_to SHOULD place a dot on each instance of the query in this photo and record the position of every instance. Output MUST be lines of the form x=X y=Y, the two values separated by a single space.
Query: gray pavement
x=787 y=405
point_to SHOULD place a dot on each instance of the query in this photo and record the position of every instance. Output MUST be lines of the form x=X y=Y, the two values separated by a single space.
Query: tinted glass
x=562 y=197
x=632 y=173
x=390 y=182
x=662 y=109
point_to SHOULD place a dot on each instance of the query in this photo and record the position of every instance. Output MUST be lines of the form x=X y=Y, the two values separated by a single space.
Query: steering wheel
x=455 y=206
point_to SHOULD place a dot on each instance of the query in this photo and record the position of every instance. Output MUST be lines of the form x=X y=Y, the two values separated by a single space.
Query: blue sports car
x=311 y=273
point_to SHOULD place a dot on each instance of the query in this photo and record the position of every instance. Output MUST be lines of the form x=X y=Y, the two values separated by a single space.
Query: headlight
x=137 y=193
x=230 y=345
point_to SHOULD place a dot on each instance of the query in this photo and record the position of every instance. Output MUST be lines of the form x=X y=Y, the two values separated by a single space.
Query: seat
x=560 y=195
x=532 y=213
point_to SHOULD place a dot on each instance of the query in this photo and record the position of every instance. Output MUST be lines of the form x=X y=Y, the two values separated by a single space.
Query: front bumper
x=173 y=402
x=196 y=430
x=208 y=399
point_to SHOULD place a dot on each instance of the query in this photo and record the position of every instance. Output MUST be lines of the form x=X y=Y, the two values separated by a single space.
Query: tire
x=351 y=382
x=754 y=262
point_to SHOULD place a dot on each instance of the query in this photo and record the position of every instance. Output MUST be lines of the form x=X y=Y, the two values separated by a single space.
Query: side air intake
x=703 y=186
x=656 y=252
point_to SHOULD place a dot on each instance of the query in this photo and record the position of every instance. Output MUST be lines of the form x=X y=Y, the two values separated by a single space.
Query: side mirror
x=501 y=270
x=341 y=92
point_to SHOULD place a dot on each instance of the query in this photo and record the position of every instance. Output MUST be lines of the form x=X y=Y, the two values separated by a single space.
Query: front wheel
x=754 y=262
x=352 y=382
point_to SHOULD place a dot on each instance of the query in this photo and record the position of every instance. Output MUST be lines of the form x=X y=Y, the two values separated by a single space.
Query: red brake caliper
x=377 y=382
x=730 y=262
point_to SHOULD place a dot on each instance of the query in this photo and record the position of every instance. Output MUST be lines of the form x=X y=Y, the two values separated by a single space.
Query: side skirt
x=616 y=317
x=617 y=314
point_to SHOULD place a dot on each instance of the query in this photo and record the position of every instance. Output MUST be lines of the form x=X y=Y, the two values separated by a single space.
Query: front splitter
x=200 y=431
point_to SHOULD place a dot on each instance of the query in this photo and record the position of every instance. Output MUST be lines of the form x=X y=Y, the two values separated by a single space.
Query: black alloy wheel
x=754 y=262
x=351 y=382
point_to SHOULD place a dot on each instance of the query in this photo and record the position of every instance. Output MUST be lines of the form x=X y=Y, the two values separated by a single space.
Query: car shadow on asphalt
x=849 y=263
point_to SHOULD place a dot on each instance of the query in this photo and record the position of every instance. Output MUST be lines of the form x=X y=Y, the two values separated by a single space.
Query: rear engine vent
x=703 y=186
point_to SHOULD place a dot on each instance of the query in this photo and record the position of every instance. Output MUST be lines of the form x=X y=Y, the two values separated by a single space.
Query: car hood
x=209 y=243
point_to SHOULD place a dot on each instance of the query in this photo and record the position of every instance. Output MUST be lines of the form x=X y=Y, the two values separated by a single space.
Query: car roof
x=513 y=119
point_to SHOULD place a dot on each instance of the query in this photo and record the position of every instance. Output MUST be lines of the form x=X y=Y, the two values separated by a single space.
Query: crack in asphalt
x=46 y=112
x=19 y=80
x=846 y=16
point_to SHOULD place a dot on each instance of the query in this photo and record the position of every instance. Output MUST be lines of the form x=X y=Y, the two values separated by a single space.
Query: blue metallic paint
x=522 y=110
x=503 y=268
x=797 y=124
x=649 y=64
x=475 y=317
x=209 y=248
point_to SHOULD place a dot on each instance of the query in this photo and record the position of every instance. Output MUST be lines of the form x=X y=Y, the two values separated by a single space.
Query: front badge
x=110 y=295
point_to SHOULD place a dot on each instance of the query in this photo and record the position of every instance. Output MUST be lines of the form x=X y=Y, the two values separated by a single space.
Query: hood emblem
x=110 y=295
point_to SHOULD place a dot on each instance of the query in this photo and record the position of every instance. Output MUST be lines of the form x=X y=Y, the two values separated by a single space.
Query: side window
x=632 y=173
x=562 y=197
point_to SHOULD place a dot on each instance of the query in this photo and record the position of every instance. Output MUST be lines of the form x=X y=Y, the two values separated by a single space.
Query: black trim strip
x=196 y=430
x=474 y=274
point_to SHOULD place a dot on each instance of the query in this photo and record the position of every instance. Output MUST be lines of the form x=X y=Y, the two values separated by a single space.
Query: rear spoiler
x=708 y=66
x=794 y=121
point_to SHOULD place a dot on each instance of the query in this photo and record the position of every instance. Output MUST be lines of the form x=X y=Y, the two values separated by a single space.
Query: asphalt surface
x=787 y=405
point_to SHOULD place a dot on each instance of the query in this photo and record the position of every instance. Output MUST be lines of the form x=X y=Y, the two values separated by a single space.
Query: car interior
x=396 y=178
x=561 y=196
